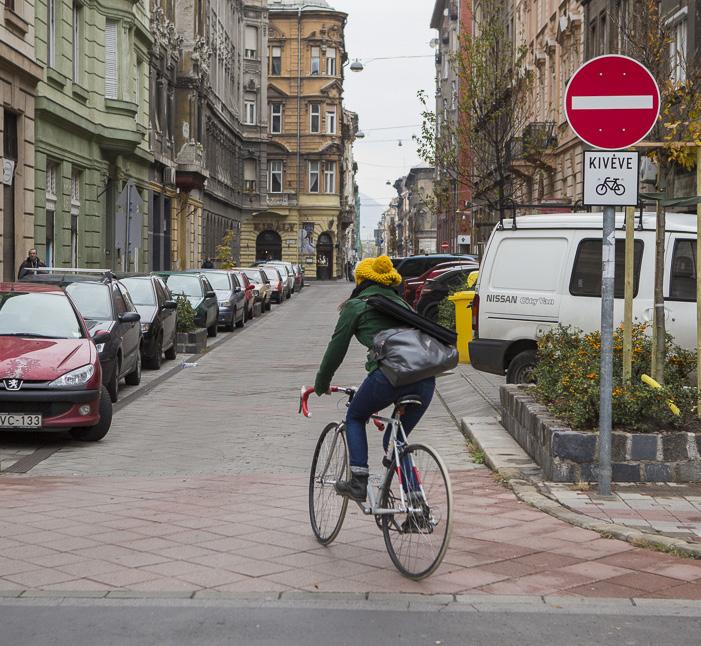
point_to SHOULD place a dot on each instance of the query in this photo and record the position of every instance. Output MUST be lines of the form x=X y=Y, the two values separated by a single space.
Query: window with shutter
x=315 y=118
x=316 y=61
x=331 y=61
x=249 y=175
x=111 y=59
x=251 y=47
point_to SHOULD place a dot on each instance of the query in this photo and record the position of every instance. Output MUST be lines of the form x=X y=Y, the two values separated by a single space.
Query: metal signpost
x=611 y=102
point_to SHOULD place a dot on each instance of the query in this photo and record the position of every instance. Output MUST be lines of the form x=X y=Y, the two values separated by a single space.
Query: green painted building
x=92 y=115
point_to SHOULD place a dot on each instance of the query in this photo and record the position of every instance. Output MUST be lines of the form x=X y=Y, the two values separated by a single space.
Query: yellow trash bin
x=463 y=317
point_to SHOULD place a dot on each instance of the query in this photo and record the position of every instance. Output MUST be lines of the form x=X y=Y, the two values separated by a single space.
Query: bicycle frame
x=398 y=440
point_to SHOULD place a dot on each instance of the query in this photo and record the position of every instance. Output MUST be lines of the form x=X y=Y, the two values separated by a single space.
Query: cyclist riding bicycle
x=373 y=276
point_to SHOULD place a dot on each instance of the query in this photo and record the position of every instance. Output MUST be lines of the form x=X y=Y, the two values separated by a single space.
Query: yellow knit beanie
x=379 y=270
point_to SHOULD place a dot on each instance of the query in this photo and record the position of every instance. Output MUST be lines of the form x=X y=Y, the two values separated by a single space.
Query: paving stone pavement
x=201 y=487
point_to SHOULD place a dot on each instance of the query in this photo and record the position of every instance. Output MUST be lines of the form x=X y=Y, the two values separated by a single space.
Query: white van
x=545 y=270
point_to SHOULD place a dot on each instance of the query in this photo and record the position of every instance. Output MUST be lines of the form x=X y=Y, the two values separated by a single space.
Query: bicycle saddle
x=409 y=400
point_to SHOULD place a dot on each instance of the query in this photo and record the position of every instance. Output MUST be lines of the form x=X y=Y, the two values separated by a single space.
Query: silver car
x=287 y=272
x=278 y=285
x=262 y=290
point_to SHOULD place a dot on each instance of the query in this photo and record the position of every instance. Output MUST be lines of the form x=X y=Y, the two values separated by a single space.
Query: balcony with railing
x=534 y=148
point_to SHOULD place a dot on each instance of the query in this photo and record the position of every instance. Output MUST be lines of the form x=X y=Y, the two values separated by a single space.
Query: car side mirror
x=237 y=290
x=170 y=305
x=209 y=294
x=101 y=337
x=130 y=317
x=250 y=287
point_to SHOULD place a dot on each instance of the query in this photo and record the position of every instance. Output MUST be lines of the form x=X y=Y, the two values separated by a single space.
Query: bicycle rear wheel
x=326 y=508
x=417 y=541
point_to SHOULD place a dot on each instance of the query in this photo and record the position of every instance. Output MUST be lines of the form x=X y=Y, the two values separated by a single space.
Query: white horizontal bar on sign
x=623 y=102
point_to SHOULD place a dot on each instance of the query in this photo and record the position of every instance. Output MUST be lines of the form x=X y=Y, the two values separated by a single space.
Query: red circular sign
x=444 y=245
x=612 y=102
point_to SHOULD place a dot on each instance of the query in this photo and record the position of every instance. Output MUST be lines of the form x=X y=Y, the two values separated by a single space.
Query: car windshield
x=218 y=281
x=187 y=285
x=272 y=274
x=140 y=290
x=92 y=299
x=48 y=316
x=253 y=275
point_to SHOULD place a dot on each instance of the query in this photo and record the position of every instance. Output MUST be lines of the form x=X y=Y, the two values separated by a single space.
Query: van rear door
x=680 y=289
x=521 y=297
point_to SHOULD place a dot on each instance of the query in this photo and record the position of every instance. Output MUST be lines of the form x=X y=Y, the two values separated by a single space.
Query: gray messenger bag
x=408 y=355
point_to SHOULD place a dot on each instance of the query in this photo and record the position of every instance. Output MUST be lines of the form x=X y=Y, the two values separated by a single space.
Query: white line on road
x=623 y=102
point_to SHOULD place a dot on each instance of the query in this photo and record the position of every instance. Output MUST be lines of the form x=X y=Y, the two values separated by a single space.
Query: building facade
x=453 y=20
x=163 y=195
x=235 y=118
x=301 y=220
x=19 y=75
x=546 y=156
x=92 y=151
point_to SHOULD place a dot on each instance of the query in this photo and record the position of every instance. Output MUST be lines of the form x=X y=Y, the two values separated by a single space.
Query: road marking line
x=623 y=102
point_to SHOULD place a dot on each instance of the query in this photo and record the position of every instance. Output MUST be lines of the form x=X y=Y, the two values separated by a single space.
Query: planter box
x=192 y=342
x=566 y=455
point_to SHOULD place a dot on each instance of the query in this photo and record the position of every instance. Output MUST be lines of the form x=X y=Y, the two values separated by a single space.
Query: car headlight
x=100 y=347
x=256 y=292
x=145 y=327
x=78 y=377
x=223 y=303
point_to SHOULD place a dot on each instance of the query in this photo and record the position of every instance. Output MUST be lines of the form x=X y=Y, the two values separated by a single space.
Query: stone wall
x=565 y=455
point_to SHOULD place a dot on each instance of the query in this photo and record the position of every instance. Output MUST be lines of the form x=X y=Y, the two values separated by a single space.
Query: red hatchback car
x=50 y=375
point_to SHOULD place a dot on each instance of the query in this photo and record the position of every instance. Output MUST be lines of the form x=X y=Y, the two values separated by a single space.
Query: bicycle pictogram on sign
x=610 y=184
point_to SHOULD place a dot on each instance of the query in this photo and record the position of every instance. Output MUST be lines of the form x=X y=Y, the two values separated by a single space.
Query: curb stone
x=525 y=488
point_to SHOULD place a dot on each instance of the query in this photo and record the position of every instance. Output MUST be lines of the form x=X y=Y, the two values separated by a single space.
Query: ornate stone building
x=163 y=72
x=19 y=74
x=546 y=159
x=302 y=217
x=235 y=117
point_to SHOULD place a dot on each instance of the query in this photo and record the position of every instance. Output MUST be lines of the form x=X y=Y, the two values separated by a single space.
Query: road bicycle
x=412 y=501
x=610 y=184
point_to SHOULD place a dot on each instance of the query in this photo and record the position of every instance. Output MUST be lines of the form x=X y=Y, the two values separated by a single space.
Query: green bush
x=446 y=308
x=567 y=381
x=185 y=315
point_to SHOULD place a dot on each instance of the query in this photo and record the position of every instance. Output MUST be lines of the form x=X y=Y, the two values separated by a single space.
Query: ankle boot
x=356 y=488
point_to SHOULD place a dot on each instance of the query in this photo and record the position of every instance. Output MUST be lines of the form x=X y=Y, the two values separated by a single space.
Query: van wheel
x=520 y=370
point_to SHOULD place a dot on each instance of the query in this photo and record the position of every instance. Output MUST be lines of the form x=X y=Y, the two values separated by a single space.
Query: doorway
x=324 y=257
x=268 y=246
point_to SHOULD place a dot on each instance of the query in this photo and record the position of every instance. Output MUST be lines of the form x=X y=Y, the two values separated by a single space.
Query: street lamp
x=358 y=66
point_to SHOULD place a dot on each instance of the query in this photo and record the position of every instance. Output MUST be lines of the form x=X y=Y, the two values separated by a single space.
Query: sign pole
x=608 y=275
x=698 y=284
x=628 y=297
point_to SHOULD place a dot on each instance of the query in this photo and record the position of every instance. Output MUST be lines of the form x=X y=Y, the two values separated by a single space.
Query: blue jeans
x=374 y=394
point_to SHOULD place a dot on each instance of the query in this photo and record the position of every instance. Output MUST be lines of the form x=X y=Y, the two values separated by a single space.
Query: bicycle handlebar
x=305 y=392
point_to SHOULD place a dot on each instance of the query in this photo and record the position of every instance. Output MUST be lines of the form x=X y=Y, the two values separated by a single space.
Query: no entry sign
x=612 y=102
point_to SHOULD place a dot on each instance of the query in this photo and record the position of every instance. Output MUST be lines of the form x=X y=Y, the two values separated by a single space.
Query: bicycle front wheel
x=326 y=508
x=417 y=538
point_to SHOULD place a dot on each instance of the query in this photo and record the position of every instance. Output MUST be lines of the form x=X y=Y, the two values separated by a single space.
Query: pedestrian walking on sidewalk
x=373 y=276
x=32 y=262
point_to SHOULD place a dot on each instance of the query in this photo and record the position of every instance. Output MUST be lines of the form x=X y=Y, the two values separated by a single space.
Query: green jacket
x=358 y=319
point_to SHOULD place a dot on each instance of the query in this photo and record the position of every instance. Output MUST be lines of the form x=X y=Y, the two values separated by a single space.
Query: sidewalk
x=662 y=515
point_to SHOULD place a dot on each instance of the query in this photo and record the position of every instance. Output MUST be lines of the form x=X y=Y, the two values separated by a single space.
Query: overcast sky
x=384 y=93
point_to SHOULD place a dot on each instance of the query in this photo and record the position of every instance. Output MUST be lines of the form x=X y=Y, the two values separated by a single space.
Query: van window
x=682 y=280
x=586 y=273
x=533 y=264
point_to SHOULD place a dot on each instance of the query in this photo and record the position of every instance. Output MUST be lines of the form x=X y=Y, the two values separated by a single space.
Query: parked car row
x=69 y=336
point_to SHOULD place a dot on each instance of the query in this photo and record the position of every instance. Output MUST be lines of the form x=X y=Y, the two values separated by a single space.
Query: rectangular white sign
x=610 y=178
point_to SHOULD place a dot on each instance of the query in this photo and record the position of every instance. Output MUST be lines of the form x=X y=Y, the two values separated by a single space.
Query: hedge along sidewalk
x=654 y=516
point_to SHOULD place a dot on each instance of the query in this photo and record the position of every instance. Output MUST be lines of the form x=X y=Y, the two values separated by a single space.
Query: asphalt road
x=176 y=623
